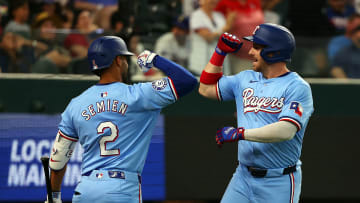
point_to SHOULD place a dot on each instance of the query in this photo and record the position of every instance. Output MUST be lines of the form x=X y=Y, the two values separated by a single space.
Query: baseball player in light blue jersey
x=113 y=122
x=273 y=108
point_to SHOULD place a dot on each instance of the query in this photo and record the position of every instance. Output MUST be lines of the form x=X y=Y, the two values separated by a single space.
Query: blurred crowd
x=52 y=36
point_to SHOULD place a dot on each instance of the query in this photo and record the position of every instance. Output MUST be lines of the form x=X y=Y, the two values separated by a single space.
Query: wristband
x=56 y=195
x=241 y=131
x=217 y=59
x=210 y=78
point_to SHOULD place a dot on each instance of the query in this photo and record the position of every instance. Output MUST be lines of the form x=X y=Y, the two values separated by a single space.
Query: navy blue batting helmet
x=103 y=51
x=279 y=42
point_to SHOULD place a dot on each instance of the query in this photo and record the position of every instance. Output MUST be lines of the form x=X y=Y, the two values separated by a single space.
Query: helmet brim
x=249 y=38
x=127 y=53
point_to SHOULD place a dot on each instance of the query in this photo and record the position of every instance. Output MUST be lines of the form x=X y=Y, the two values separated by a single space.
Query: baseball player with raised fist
x=113 y=122
x=273 y=109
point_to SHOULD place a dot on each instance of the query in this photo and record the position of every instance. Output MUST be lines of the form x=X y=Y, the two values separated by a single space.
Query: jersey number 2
x=109 y=138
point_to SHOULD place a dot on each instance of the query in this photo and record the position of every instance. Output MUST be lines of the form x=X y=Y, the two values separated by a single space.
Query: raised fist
x=145 y=60
x=228 y=43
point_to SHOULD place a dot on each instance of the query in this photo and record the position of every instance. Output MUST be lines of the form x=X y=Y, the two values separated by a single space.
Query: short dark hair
x=15 y=4
x=117 y=17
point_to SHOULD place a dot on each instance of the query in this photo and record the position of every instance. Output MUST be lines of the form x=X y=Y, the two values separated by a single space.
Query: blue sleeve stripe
x=293 y=121
x=173 y=90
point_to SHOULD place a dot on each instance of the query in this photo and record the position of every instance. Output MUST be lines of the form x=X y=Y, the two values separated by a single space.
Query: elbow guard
x=62 y=150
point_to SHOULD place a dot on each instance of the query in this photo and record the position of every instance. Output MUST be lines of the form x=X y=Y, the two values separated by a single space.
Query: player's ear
x=117 y=60
x=120 y=60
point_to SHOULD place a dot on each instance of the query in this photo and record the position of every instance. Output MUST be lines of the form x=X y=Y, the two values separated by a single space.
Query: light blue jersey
x=113 y=123
x=262 y=101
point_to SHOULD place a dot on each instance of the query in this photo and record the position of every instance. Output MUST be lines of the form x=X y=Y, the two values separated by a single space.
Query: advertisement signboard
x=24 y=138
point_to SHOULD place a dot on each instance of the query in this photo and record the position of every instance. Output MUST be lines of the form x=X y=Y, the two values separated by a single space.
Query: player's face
x=258 y=63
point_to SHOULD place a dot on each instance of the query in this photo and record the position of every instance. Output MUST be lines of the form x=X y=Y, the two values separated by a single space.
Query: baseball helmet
x=277 y=39
x=103 y=51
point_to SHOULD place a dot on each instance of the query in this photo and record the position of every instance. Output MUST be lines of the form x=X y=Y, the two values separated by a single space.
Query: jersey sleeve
x=66 y=126
x=298 y=105
x=155 y=95
x=225 y=88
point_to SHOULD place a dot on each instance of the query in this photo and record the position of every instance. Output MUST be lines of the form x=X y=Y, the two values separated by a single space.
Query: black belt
x=260 y=173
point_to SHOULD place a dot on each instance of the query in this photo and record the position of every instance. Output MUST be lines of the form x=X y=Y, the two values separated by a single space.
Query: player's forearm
x=182 y=79
x=211 y=68
x=56 y=179
x=275 y=132
x=210 y=76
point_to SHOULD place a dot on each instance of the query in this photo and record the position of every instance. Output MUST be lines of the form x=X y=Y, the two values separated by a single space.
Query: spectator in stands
x=16 y=54
x=53 y=9
x=85 y=22
x=18 y=25
x=339 y=42
x=270 y=16
x=78 y=42
x=249 y=14
x=357 y=6
x=175 y=45
x=206 y=25
x=120 y=26
x=8 y=53
x=3 y=13
x=44 y=30
x=19 y=14
x=67 y=15
x=346 y=63
x=102 y=10
x=189 y=6
x=55 y=59
x=338 y=12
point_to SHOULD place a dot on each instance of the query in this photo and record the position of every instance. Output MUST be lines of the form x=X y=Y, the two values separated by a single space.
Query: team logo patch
x=104 y=94
x=159 y=84
x=296 y=106
x=99 y=175
x=117 y=174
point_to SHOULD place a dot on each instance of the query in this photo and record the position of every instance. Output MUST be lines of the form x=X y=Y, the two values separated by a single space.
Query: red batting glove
x=227 y=43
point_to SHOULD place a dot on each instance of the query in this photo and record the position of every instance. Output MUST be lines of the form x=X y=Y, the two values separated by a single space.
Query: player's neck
x=110 y=76
x=274 y=70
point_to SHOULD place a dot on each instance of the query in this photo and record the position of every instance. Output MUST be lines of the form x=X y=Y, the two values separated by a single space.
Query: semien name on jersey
x=104 y=106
